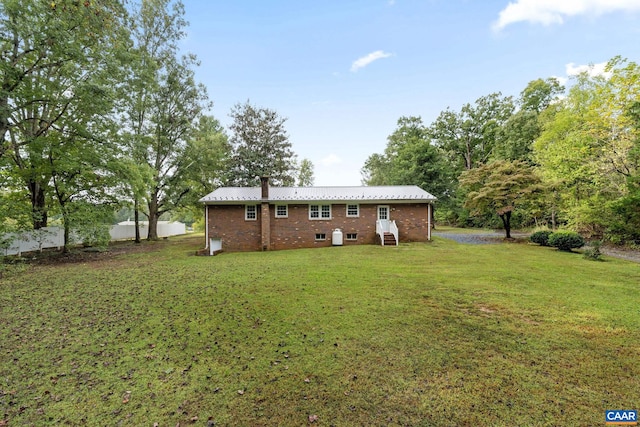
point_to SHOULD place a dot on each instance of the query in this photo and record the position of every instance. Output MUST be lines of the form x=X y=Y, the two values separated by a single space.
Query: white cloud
x=548 y=12
x=368 y=59
x=592 y=69
x=562 y=80
x=330 y=160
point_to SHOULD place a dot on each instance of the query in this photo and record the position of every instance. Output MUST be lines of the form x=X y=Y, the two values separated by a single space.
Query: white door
x=383 y=217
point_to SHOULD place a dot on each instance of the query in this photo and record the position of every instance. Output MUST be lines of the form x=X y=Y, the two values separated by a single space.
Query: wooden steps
x=389 y=239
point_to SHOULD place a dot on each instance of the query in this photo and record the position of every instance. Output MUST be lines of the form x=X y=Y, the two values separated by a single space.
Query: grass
x=420 y=334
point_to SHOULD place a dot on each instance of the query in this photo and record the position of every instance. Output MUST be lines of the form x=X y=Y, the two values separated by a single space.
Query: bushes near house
x=541 y=237
x=565 y=240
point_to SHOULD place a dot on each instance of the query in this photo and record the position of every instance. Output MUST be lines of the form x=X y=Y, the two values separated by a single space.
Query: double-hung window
x=250 y=212
x=319 y=211
x=353 y=211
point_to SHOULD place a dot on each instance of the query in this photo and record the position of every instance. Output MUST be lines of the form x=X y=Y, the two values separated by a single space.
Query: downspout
x=429 y=222
x=265 y=218
x=206 y=226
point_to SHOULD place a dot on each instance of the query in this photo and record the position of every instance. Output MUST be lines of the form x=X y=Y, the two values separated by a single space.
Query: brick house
x=273 y=218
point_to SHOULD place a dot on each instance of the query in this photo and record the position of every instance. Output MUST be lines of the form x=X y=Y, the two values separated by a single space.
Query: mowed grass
x=421 y=334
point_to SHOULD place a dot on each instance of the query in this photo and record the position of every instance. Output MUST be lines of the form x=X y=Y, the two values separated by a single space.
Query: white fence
x=53 y=237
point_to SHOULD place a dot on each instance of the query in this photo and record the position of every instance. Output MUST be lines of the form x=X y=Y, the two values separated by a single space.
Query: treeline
x=552 y=157
x=99 y=110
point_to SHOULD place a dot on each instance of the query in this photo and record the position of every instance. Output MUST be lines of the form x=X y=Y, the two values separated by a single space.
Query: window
x=352 y=236
x=321 y=236
x=282 y=211
x=353 y=210
x=250 y=212
x=319 y=211
x=383 y=212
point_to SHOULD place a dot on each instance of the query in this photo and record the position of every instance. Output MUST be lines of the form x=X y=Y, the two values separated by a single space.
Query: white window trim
x=286 y=208
x=321 y=239
x=348 y=235
x=320 y=217
x=357 y=215
x=246 y=212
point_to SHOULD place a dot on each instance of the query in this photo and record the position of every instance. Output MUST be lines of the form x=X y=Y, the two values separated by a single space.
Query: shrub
x=94 y=235
x=593 y=252
x=541 y=237
x=566 y=240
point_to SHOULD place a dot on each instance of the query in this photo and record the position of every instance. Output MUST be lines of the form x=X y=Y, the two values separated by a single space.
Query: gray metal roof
x=394 y=193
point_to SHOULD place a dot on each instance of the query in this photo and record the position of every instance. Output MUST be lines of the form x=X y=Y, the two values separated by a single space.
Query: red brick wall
x=228 y=223
x=298 y=231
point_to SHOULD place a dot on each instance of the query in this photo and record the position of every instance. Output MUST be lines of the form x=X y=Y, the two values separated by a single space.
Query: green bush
x=566 y=240
x=541 y=237
x=94 y=235
x=593 y=252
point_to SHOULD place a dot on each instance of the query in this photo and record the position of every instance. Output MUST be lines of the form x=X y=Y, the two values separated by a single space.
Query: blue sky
x=343 y=72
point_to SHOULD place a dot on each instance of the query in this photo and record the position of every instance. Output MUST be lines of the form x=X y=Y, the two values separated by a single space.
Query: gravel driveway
x=479 y=238
x=491 y=238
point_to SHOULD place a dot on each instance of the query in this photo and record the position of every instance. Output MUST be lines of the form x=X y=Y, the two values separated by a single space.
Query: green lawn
x=420 y=334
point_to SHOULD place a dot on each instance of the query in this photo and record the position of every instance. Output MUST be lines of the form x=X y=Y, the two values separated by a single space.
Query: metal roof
x=392 y=193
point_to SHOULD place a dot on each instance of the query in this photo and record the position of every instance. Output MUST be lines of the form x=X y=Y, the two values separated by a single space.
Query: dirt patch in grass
x=86 y=255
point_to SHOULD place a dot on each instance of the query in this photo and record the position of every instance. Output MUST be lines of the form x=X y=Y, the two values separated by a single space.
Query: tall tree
x=410 y=159
x=261 y=147
x=499 y=187
x=586 y=147
x=305 y=173
x=60 y=61
x=536 y=104
x=207 y=152
x=165 y=104
x=467 y=138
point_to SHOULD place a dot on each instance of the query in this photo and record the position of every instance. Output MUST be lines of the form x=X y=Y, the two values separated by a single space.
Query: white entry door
x=383 y=217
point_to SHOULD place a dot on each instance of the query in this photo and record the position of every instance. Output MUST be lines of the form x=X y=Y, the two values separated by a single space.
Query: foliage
x=517 y=135
x=541 y=237
x=593 y=252
x=163 y=108
x=411 y=159
x=467 y=138
x=261 y=147
x=305 y=173
x=91 y=224
x=586 y=149
x=499 y=187
x=566 y=240
x=159 y=336
x=62 y=61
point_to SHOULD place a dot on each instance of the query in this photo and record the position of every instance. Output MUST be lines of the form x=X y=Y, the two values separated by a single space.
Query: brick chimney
x=265 y=217
x=264 y=180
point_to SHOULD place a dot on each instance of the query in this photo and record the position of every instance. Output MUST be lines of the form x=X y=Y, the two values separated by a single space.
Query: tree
x=305 y=173
x=537 y=104
x=467 y=138
x=60 y=59
x=586 y=148
x=499 y=187
x=261 y=147
x=207 y=152
x=411 y=159
x=164 y=105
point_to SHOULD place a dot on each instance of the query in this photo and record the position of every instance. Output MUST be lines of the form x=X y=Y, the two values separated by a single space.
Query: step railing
x=386 y=226
x=393 y=229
